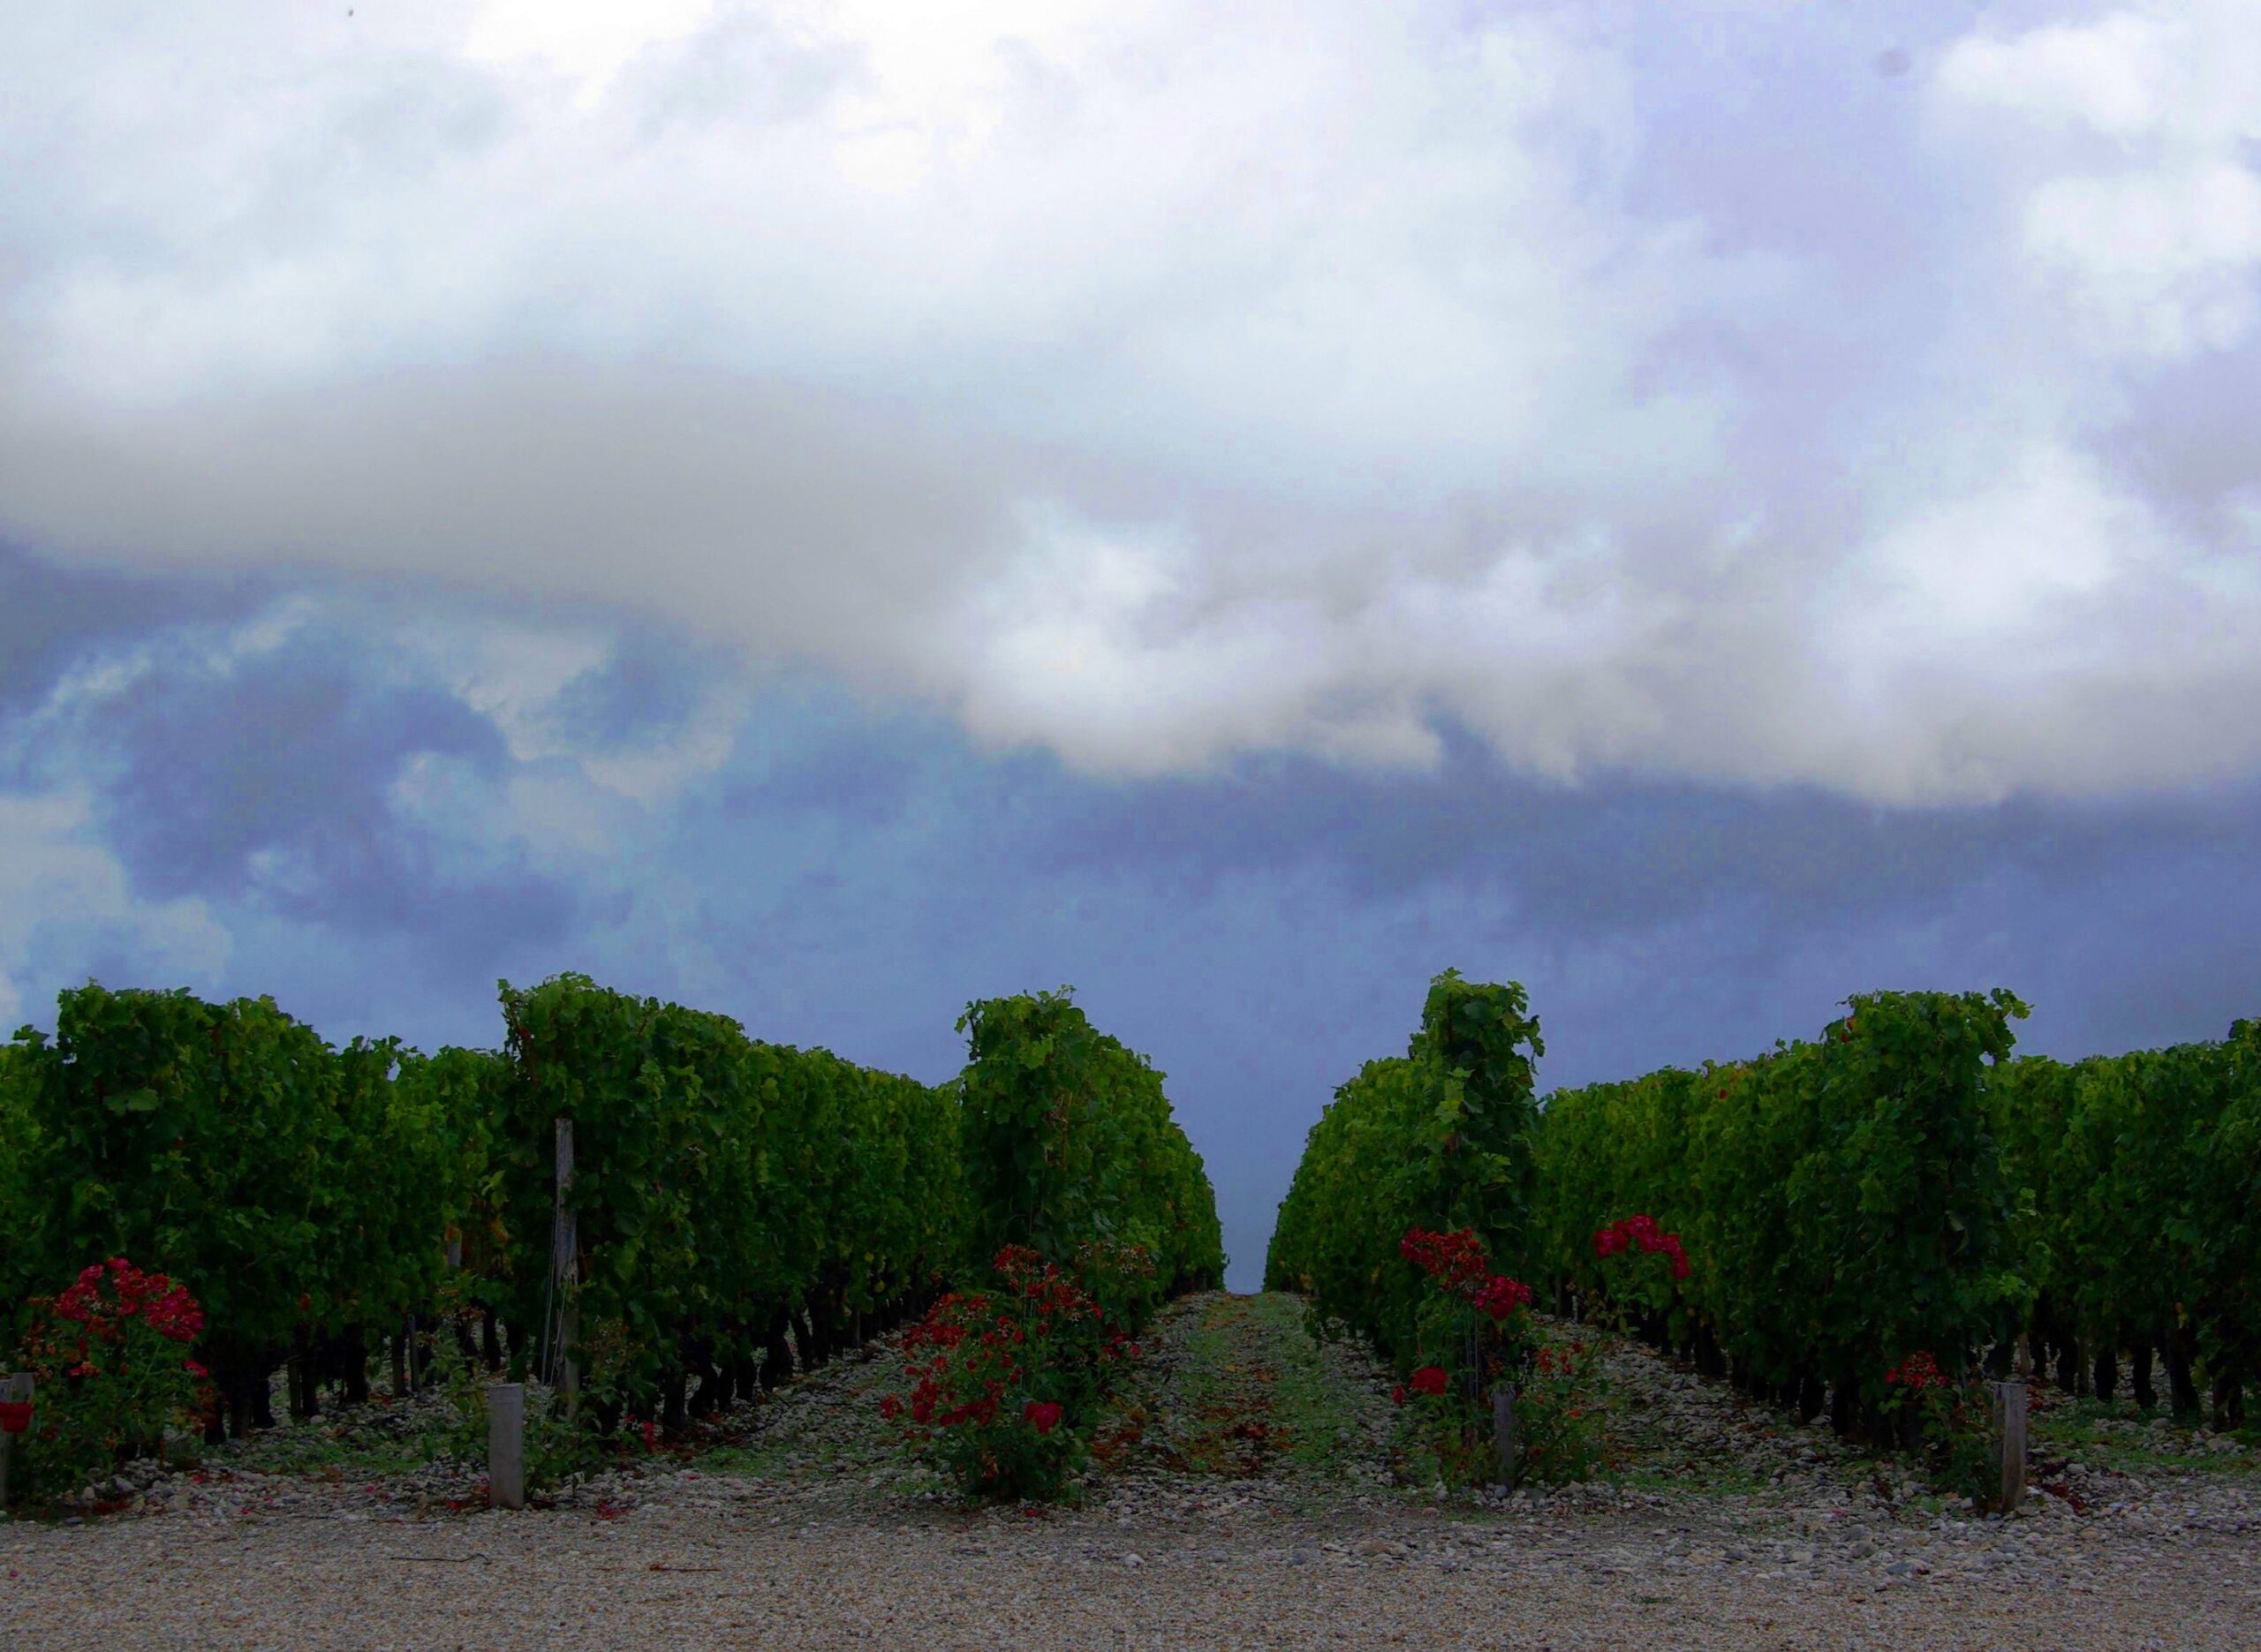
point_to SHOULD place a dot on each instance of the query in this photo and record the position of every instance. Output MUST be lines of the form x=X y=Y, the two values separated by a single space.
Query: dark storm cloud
x=649 y=685
x=1622 y=854
x=289 y=755
x=52 y=617
x=870 y=784
x=263 y=783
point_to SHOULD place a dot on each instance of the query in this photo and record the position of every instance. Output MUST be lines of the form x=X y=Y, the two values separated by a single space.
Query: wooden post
x=1503 y=1432
x=16 y=1389
x=564 y=1253
x=506 y=1445
x=2009 y=1443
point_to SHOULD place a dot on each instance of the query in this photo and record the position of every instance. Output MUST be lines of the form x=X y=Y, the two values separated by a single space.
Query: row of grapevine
x=1844 y=1200
x=1440 y=1139
x=1071 y=1150
x=1899 y=1185
x=298 y=1187
x=724 y=1191
x=1089 y=1206
x=2139 y=1223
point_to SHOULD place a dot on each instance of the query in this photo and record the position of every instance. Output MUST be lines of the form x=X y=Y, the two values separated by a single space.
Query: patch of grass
x=757 y=1462
x=363 y=1441
x=2119 y=1435
x=1713 y=1476
x=1241 y=1391
x=300 y=1451
x=1313 y=1405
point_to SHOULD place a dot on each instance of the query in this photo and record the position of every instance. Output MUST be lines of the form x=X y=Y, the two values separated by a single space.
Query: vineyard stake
x=1503 y=1430
x=17 y=1390
x=564 y=1248
x=2009 y=1443
x=506 y=1445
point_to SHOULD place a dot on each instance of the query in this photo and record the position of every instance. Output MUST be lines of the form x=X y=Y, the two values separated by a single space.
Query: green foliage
x=555 y=1442
x=1953 y=1425
x=1069 y=1141
x=1561 y=1403
x=1440 y=1139
x=21 y=1217
x=288 y=1184
x=2140 y=1179
x=1843 y=1201
x=721 y=1185
x=717 y=1182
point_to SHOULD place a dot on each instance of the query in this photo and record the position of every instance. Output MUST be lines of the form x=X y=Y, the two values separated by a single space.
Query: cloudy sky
x=826 y=512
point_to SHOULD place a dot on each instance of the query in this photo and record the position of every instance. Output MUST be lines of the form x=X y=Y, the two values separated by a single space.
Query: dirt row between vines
x=1246 y=1497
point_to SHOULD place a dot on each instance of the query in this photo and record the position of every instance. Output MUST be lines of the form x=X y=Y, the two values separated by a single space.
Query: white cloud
x=2161 y=266
x=2118 y=75
x=582 y=41
x=2131 y=143
x=1156 y=382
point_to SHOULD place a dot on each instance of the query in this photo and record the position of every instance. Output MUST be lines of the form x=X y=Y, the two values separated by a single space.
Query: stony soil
x=1245 y=1497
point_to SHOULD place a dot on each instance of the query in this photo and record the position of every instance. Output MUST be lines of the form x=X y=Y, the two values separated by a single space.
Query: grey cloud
x=263 y=786
x=54 y=616
x=1624 y=854
x=803 y=522
x=648 y=687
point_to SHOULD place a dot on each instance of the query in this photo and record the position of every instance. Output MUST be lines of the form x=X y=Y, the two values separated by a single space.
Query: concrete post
x=1503 y=1432
x=2009 y=1443
x=506 y=1445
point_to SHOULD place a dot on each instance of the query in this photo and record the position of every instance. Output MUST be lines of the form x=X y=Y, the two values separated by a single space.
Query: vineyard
x=651 y=1216
x=1867 y=1224
x=630 y=1201
x=849 y=1347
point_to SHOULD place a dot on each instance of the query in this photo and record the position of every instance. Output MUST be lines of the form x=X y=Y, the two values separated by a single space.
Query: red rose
x=1430 y=1380
x=1043 y=1414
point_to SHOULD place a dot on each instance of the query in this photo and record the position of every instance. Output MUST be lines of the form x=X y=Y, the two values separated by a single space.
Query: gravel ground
x=1245 y=1500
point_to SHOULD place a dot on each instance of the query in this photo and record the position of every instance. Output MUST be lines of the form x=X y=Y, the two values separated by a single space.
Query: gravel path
x=1244 y=1502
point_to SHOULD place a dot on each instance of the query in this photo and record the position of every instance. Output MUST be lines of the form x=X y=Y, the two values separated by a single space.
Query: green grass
x=368 y=1442
x=2083 y=1428
x=1318 y=1409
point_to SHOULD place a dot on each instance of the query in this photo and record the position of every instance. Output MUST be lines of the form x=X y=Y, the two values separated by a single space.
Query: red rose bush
x=1473 y=1330
x=1001 y=1382
x=1643 y=1269
x=112 y=1377
x=1948 y=1422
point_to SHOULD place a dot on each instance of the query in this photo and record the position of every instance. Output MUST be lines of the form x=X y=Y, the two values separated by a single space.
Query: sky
x=826 y=512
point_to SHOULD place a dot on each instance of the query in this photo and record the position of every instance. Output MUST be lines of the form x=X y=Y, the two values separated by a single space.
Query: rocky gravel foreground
x=1246 y=1502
